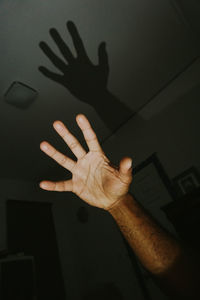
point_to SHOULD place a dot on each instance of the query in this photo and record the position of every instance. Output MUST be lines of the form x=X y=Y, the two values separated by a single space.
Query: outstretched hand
x=79 y=75
x=94 y=179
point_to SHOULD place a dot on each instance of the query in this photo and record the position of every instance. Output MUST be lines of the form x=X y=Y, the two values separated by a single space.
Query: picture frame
x=151 y=185
x=186 y=182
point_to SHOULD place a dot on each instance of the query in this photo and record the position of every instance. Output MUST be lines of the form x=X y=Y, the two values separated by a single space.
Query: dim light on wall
x=20 y=95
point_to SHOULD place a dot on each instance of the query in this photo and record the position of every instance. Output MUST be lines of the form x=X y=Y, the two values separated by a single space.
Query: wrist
x=121 y=203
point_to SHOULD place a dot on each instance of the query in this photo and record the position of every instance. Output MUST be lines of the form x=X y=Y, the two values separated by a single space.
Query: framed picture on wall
x=186 y=182
x=151 y=184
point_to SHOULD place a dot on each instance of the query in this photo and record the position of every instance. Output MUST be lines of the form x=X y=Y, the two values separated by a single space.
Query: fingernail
x=44 y=146
x=80 y=118
x=130 y=164
x=58 y=126
x=43 y=185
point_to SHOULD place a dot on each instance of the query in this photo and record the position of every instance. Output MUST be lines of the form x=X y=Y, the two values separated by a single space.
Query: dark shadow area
x=184 y=214
x=31 y=232
x=183 y=276
x=83 y=79
x=107 y=291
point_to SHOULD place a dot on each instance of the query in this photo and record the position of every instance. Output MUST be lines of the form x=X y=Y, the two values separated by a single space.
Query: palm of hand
x=94 y=179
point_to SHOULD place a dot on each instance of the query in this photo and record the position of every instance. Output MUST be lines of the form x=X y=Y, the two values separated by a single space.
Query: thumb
x=125 y=166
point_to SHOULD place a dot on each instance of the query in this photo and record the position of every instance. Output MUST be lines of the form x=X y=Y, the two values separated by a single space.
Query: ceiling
x=190 y=11
x=148 y=44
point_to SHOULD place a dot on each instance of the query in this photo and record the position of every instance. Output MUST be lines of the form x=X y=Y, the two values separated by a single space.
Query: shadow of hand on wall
x=83 y=79
x=86 y=81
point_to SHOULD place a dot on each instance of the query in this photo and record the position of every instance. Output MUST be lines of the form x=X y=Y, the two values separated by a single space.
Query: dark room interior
x=133 y=69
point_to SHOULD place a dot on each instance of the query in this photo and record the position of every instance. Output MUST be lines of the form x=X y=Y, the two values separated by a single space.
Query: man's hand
x=100 y=184
x=94 y=180
x=79 y=75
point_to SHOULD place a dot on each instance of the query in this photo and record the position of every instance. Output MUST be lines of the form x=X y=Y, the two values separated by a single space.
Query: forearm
x=158 y=251
x=155 y=248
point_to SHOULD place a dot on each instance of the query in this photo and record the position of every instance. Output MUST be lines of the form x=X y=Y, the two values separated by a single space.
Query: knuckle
x=53 y=155
x=91 y=139
x=73 y=145
x=63 y=160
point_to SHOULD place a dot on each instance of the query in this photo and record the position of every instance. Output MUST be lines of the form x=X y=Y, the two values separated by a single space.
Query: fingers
x=59 y=63
x=125 y=165
x=64 y=49
x=60 y=186
x=51 y=75
x=103 y=57
x=88 y=132
x=60 y=158
x=125 y=169
x=70 y=140
x=77 y=41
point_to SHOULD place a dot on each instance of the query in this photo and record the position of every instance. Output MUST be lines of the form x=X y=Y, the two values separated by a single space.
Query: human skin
x=94 y=179
x=97 y=182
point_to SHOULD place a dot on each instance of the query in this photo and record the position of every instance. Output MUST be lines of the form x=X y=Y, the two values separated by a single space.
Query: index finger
x=88 y=132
